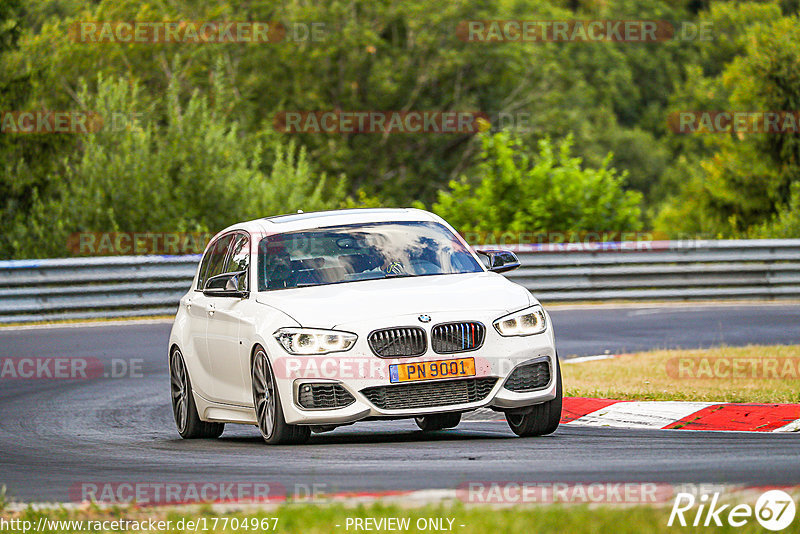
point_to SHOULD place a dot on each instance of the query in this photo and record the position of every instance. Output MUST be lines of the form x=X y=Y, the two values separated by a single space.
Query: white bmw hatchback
x=306 y=322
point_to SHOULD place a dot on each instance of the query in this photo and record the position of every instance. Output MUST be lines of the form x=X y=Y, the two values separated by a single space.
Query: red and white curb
x=674 y=415
x=670 y=415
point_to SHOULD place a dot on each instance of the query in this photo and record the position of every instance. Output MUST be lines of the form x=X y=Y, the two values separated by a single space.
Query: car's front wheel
x=267 y=402
x=189 y=424
x=541 y=419
x=441 y=421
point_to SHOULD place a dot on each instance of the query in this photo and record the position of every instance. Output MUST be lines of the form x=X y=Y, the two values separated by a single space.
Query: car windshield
x=356 y=252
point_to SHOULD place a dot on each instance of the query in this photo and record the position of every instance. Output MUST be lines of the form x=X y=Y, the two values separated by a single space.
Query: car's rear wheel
x=541 y=419
x=429 y=423
x=267 y=402
x=189 y=424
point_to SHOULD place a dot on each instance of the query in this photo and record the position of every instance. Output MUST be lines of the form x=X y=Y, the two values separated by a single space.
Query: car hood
x=331 y=305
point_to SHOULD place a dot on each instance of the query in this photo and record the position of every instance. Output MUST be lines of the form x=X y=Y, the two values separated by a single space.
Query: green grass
x=311 y=519
x=656 y=375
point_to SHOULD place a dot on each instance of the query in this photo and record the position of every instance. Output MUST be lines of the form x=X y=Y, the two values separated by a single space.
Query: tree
x=747 y=180
x=192 y=170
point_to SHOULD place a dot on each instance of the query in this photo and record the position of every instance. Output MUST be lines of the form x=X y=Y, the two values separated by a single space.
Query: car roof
x=319 y=219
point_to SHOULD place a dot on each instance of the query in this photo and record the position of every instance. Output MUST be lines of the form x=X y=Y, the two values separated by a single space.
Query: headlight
x=522 y=323
x=308 y=341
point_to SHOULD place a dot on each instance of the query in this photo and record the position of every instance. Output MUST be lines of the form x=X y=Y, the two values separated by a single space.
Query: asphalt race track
x=55 y=434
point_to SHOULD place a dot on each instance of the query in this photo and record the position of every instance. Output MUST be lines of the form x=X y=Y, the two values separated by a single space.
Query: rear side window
x=214 y=260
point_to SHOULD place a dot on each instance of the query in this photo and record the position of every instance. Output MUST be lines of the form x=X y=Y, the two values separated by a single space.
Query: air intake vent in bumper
x=392 y=342
x=322 y=396
x=430 y=394
x=529 y=377
x=457 y=337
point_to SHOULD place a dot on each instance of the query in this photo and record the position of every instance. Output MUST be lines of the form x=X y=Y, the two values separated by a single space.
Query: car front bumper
x=359 y=369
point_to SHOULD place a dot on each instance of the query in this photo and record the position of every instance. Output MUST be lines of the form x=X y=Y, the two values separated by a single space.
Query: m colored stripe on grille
x=457 y=337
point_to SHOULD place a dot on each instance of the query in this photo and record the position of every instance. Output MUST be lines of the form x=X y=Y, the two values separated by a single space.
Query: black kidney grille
x=457 y=337
x=529 y=377
x=430 y=394
x=391 y=342
x=322 y=396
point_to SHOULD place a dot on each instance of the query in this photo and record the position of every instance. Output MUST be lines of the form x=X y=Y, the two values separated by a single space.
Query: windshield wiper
x=398 y=275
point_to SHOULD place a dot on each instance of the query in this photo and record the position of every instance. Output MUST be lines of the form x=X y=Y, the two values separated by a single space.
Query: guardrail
x=126 y=286
x=85 y=288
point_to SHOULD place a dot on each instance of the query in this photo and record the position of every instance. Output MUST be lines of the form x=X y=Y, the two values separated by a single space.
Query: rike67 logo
x=774 y=510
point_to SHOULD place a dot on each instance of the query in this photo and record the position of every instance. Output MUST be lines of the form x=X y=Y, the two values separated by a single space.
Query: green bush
x=514 y=188
x=786 y=223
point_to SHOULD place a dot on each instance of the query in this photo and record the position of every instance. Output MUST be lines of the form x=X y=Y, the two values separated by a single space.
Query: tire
x=184 y=409
x=429 y=423
x=542 y=419
x=267 y=403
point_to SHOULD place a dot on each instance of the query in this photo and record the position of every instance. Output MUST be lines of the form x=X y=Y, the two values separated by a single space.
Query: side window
x=216 y=259
x=203 y=267
x=239 y=259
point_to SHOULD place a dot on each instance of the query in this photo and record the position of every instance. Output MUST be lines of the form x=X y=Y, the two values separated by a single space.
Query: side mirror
x=225 y=285
x=500 y=261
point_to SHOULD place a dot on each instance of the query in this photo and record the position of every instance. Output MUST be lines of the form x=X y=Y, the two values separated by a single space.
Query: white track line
x=581 y=359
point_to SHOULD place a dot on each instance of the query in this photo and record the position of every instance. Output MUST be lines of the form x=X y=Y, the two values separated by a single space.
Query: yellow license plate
x=409 y=372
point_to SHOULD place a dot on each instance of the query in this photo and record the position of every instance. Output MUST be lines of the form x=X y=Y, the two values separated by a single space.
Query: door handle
x=188 y=304
x=211 y=310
